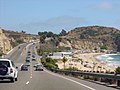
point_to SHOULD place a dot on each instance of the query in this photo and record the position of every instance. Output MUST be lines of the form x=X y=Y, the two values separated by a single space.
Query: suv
x=8 y=70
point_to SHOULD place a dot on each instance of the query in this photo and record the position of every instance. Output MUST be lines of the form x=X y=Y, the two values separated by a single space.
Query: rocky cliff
x=10 y=39
x=92 y=38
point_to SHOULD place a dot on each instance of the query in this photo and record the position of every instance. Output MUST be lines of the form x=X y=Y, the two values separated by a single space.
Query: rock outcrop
x=10 y=39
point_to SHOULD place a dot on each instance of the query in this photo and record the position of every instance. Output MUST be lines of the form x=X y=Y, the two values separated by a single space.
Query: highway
x=43 y=80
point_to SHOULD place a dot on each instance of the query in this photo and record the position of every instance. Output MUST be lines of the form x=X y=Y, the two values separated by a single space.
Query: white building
x=60 y=55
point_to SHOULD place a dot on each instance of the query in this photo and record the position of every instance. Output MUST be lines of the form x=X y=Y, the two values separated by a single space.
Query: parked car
x=24 y=67
x=8 y=70
x=39 y=68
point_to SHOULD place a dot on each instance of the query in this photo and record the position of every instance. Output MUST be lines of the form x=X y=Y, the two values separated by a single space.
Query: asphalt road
x=43 y=80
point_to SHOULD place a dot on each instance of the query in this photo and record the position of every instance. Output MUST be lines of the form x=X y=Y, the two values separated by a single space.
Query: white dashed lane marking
x=27 y=82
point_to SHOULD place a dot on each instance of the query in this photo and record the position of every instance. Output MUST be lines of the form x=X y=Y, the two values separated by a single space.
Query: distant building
x=60 y=55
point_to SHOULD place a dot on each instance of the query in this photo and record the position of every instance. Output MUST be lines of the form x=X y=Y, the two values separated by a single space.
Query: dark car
x=24 y=68
x=39 y=68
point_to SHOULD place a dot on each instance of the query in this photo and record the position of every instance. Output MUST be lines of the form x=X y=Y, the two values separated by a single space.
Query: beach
x=86 y=62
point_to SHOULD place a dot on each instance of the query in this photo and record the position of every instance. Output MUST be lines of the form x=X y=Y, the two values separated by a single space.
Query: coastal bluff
x=10 y=39
x=92 y=38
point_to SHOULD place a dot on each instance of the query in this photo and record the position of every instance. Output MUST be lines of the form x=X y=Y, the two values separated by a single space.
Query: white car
x=8 y=70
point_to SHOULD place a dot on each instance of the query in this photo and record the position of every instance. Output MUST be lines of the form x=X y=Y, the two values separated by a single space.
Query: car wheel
x=16 y=79
x=12 y=80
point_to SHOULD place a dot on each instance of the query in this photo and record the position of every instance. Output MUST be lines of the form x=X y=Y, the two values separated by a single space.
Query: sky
x=35 y=16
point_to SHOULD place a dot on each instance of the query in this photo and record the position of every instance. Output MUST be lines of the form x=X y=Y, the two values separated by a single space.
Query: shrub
x=103 y=47
x=117 y=70
x=72 y=69
x=49 y=63
x=0 y=54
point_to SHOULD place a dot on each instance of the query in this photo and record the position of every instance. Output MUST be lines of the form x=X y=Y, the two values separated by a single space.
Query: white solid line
x=71 y=80
x=27 y=82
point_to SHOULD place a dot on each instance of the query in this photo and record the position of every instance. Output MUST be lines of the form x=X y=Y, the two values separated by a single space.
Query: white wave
x=110 y=58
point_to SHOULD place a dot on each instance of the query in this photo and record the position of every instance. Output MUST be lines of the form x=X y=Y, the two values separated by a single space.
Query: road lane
x=23 y=76
x=46 y=80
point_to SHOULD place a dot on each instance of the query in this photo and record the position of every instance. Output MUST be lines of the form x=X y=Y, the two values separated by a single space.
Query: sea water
x=110 y=59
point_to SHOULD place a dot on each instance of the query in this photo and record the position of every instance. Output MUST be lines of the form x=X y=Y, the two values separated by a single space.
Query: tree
x=118 y=70
x=103 y=47
x=23 y=32
x=64 y=60
x=63 y=33
x=42 y=38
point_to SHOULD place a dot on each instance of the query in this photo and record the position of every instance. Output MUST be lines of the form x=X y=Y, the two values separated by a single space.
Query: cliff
x=10 y=39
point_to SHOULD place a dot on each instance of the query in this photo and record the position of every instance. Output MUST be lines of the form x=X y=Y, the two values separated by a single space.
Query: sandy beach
x=86 y=62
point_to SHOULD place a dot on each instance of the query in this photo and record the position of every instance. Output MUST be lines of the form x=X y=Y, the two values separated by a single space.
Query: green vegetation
x=19 y=40
x=1 y=54
x=47 y=34
x=118 y=70
x=42 y=38
x=49 y=63
x=103 y=47
x=116 y=35
x=63 y=33
x=90 y=32
x=85 y=34
x=72 y=69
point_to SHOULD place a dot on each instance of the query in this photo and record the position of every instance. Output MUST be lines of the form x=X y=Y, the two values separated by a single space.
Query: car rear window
x=6 y=63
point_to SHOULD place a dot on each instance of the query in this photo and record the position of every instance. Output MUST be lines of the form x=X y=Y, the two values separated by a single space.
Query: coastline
x=90 y=63
x=106 y=58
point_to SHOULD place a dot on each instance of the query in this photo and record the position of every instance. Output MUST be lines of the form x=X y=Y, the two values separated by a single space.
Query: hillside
x=92 y=38
x=10 y=39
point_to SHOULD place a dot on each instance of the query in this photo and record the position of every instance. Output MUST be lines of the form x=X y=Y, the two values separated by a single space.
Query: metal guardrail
x=100 y=75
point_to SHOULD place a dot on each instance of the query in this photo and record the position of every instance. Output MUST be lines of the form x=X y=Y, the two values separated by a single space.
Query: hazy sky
x=33 y=16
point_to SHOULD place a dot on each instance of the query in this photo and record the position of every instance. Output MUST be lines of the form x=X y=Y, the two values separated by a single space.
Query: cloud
x=105 y=5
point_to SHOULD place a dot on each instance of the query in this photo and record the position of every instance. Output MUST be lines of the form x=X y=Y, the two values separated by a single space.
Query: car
x=33 y=58
x=39 y=68
x=27 y=60
x=29 y=52
x=8 y=70
x=24 y=67
x=36 y=64
x=27 y=63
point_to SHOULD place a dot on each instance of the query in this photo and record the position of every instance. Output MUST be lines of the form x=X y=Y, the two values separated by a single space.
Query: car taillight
x=11 y=70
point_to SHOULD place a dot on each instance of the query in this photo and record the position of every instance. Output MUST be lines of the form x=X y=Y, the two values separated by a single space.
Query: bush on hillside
x=49 y=63
x=117 y=70
x=72 y=69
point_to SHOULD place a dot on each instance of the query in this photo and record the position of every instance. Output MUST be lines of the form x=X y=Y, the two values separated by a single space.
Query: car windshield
x=6 y=63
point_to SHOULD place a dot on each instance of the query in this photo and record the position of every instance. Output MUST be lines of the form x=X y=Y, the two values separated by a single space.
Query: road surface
x=43 y=80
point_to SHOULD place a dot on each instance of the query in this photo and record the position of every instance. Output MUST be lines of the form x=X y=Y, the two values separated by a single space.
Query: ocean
x=110 y=59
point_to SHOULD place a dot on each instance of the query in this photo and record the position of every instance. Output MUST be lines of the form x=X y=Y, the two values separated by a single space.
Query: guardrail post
x=118 y=83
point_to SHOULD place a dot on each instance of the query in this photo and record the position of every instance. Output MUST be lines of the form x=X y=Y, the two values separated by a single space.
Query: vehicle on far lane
x=33 y=57
x=35 y=64
x=39 y=68
x=24 y=67
x=27 y=63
